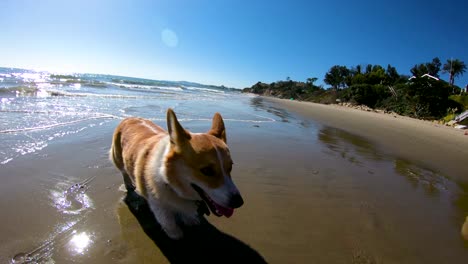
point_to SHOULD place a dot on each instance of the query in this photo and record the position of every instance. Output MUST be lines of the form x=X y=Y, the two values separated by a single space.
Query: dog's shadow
x=201 y=244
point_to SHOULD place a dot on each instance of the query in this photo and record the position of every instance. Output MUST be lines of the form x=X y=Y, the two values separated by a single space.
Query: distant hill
x=294 y=90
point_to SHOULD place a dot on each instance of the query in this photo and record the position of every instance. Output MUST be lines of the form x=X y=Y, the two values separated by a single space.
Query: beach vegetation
x=431 y=68
x=461 y=99
x=449 y=117
x=423 y=95
x=337 y=76
x=454 y=68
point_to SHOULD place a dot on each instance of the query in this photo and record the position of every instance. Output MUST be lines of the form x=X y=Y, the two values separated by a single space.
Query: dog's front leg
x=167 y=219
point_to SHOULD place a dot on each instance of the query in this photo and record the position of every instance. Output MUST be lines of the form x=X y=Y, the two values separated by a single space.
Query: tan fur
x=162 y=166
x=464 y=230
x=134 y=139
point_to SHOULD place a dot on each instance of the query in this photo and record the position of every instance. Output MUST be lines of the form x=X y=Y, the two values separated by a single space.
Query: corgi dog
x=179 y=173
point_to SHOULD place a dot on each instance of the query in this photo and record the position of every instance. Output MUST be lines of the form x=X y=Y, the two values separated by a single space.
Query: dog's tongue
x=223 y=210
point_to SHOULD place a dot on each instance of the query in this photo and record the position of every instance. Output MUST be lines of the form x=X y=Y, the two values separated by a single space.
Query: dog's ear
x=217 y=127
x=177 y=133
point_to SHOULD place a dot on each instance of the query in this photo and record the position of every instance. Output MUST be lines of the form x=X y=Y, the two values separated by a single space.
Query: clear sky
x=230 y=42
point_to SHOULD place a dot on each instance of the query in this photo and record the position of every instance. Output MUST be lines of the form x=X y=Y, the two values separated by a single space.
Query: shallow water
x=313 y=194
x=37 y=108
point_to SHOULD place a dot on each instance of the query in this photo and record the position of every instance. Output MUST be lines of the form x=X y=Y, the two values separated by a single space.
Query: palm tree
x=454 y=68
x=312 y=80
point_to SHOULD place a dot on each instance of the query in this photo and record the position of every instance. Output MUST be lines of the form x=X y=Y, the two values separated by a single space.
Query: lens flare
x=169 y=38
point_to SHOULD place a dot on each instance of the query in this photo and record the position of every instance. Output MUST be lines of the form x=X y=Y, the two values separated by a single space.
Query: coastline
x=443 y=148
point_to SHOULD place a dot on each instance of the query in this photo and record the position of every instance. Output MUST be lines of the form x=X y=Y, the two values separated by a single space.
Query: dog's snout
x=236 y=201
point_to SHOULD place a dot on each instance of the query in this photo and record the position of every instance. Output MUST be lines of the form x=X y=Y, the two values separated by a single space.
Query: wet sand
x=441 y=147
x=321 y=185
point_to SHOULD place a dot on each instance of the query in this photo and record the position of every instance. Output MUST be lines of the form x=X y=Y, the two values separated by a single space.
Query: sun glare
x=80 y=242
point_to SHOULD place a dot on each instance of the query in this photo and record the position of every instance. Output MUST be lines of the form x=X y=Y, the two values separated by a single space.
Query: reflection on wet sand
x=349 y=146
x=200 y=244
x=79 y=242
x=65 y=236
x=259 y=103
x=71 y=200
x=428 y=179
x=358 y=150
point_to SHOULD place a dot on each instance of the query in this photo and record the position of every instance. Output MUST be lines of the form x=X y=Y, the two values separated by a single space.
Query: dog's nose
x=236 y=201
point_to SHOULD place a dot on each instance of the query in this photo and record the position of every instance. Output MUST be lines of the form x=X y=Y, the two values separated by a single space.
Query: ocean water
x=37 y=108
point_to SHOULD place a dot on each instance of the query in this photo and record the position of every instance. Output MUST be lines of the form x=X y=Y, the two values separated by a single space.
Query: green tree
x=310 y=84
x=367 y=94
x=358 y=69
x=336 y=76
x=431 y=68
x=392 y=75
x=427 y=97
x=368 y=68
x=376 y=75
x=454 y=68
x=355 y=70
x=359 y=79
x=418 y=70
x=312 y=80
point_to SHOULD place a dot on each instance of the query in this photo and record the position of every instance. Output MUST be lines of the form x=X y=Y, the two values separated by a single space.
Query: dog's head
x=198 y=166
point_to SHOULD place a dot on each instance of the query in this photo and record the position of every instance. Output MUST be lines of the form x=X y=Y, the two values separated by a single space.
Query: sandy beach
x=434 y=145
x=321 y=184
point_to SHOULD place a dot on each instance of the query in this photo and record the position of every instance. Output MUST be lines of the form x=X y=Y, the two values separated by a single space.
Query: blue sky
x=235 y=43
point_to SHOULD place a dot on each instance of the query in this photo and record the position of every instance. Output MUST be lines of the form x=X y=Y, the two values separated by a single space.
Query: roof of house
x=425 y=75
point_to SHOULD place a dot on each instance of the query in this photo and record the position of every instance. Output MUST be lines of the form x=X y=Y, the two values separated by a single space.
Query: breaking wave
x=17 y=130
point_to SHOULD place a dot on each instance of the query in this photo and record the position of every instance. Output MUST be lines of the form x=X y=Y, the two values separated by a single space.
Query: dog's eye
x=208 y=171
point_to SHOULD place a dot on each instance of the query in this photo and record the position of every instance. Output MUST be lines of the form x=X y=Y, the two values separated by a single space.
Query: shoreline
x=441 y=147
